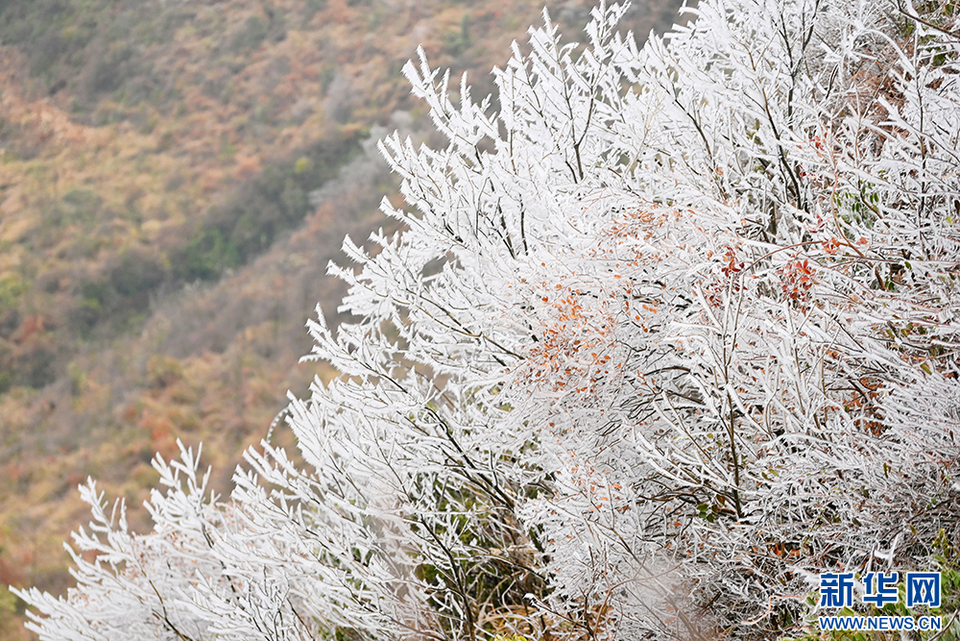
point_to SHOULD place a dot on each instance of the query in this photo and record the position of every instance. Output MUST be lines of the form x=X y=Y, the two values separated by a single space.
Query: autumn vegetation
x=160 y=249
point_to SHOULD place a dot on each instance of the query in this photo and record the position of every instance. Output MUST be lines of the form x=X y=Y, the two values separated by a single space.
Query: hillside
x=174 y=177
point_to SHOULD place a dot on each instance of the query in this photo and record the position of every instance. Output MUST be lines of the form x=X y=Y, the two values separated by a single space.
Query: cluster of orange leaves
x=640 y=223
x=569 y=352
x=732 y=266
x=572 y=350
x=796 y=280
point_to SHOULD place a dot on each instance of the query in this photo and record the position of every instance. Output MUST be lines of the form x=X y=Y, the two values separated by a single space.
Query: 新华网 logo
x=879 y=589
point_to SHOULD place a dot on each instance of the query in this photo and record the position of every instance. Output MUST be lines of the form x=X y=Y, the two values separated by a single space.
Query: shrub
x=631 y=369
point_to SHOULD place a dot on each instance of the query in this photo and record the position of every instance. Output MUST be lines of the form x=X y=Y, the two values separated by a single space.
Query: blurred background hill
x=174 y=177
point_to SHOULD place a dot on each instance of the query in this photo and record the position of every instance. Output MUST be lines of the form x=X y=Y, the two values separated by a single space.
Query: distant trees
x=666 y=337
x=261 y=209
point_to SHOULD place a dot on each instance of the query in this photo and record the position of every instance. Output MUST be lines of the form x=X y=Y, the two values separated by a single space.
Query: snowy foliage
x=664 y=338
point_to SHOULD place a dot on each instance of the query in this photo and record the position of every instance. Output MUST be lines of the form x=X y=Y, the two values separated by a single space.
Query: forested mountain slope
x=174 y=177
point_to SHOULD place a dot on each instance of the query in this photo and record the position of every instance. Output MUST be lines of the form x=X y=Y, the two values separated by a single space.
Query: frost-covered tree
x=669 y=334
